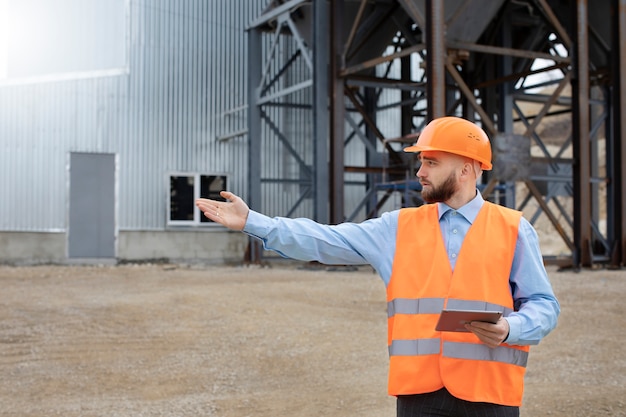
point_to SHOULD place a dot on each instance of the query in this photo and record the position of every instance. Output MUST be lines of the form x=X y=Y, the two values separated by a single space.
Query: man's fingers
x=227 y=195
x=210 y=208
x=490 y=334
x=233 y=198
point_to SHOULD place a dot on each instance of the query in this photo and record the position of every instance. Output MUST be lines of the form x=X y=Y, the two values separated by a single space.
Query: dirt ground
x=172 y=340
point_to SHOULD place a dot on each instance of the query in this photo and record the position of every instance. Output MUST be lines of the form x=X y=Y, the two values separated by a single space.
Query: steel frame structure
x=455 y=58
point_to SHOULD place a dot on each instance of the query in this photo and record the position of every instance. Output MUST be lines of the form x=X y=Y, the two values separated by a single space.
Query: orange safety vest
x=422 y=283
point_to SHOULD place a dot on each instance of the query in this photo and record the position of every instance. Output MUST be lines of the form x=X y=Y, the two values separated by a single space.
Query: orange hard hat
x=457 y=136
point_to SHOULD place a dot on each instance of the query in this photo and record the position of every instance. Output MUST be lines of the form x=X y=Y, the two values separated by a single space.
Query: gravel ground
x=171 y=340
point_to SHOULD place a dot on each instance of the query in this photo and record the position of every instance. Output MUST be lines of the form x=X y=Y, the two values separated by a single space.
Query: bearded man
x=458 y=252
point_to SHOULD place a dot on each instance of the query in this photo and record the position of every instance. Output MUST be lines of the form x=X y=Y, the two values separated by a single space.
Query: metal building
x=114 y=115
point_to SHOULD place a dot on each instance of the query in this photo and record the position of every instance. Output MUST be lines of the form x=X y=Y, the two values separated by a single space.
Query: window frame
x=197 y=180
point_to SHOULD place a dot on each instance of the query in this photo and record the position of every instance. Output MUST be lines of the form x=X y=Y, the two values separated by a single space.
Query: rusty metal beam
x=355 y=23
x=621 y=139
x=378 y=82
x=497 y=50
x=516 y=76
x=581 y=141
x=435 y=59
x=372 y=63
x=555 y=23
x=618 y=142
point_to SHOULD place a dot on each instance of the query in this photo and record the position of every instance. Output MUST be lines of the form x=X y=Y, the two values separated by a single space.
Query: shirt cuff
x=257 y=225
x=515 y=329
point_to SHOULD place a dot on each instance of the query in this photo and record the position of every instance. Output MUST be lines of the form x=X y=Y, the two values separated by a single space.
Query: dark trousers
x=442 y=404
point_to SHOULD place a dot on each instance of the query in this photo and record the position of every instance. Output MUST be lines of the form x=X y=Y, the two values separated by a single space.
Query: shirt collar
x=469 y=210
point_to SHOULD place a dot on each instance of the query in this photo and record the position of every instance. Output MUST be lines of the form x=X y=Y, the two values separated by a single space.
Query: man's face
x=438 y=176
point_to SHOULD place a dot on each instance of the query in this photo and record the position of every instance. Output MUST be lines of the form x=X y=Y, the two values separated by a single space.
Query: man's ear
x=467 y=170
x=470 y=170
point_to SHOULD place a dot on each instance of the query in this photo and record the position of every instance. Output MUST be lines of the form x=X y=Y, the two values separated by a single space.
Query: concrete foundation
x=183 y=246
x=32 y=248
x=214 y=247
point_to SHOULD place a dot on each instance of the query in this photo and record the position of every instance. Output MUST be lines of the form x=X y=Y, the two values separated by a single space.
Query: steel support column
x=254 y=134
x=435 y=59
x=581 y=142
x=505 y=90
x=282 y=102
x=618 y=144
x=337 y=113
x=321 y=46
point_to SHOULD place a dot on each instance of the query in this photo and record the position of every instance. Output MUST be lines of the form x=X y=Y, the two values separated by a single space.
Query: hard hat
x=457 y=136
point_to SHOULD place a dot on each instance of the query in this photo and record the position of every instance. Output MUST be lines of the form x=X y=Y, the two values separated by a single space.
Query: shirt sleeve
x=370 y=242
x=536 y=306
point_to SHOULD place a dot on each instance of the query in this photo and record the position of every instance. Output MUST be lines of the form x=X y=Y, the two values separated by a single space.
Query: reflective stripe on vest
x=435 y=305
x=459 y=350
x=414 y=347
x=479 y=352
x=415 y=306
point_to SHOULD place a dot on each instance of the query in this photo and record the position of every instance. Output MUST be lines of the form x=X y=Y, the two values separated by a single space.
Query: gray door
x=92 y=206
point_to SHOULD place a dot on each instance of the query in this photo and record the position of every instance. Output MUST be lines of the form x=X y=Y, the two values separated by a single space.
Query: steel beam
x=254 y=134
x=435 y=59
x=581 y=143
x=497 y=50
x=321 y=43
x=617 y=188
x=337 y=113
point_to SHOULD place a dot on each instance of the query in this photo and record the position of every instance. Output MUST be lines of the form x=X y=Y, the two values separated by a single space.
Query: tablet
x=455 y=320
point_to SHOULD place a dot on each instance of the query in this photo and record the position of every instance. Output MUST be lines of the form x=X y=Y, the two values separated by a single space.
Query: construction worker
x=461 y=252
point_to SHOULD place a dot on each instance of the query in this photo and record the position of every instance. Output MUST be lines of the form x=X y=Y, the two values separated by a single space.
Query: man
x=460 y=253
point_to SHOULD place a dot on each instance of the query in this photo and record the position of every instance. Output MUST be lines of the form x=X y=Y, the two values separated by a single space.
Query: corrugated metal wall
x=184 y=86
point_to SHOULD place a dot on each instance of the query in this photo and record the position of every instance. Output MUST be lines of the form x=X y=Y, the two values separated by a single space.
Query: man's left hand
x=491 y=334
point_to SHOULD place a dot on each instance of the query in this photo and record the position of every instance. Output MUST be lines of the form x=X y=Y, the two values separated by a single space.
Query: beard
x=441 y=193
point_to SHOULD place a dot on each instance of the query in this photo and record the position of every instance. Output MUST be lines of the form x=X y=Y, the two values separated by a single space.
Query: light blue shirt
x=374 y=242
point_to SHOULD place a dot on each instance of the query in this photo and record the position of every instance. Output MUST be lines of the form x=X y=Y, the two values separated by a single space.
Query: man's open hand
x=232 y=213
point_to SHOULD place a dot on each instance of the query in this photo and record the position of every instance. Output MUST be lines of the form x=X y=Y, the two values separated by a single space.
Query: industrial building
x=115 y=115
x=111 y=114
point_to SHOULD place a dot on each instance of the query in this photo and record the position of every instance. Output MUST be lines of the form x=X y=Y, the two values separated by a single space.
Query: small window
x=184 y=189
x=210 y=187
